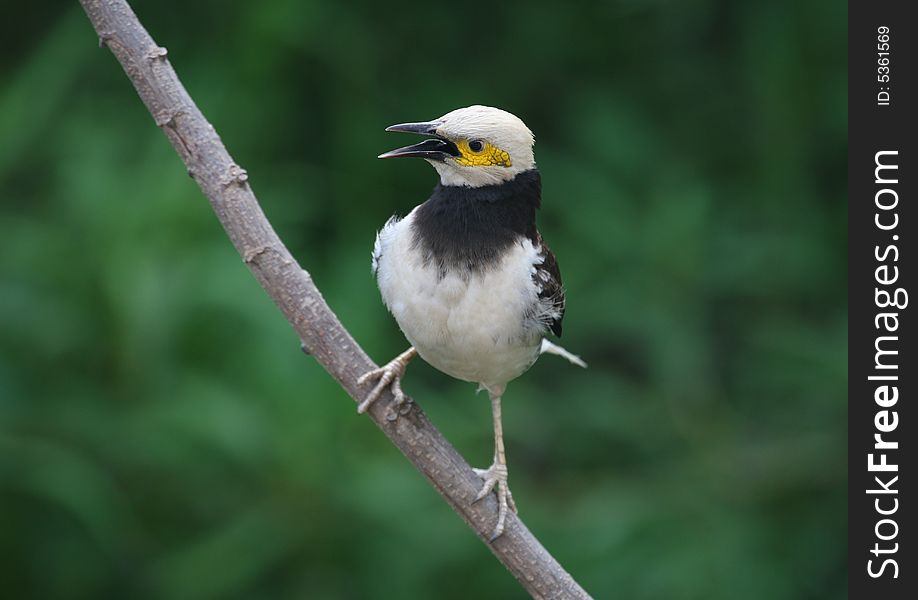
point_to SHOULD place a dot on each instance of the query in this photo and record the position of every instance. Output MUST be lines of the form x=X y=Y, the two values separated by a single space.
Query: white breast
x=477 y=327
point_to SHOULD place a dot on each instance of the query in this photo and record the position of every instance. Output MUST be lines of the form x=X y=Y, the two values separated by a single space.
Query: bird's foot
x=496 y=476
x=390 y=376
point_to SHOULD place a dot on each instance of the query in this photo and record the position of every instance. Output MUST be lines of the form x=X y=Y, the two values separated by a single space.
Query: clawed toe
x=496 y=477
x=389 y=376
x=386 y=378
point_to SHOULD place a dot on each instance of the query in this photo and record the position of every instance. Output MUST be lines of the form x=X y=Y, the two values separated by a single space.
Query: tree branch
x=292 y=289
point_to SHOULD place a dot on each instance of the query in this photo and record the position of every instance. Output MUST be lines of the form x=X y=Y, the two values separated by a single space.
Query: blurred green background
x=162 y=436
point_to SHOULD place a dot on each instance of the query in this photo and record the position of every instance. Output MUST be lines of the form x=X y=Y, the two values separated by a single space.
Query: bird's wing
x=376 y=256
x=547 y=278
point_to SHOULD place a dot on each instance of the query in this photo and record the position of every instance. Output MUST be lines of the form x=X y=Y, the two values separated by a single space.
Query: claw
x=496 y=476
x=389 y=376
x=486 y=489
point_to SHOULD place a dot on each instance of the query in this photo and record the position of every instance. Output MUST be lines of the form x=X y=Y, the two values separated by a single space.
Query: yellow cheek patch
x=488 y=156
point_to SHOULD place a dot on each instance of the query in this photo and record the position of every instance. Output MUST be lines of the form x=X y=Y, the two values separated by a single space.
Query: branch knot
x=251 y=254
x=165 y=118
x=105 y=37
x=235 y=175
x=157 y=53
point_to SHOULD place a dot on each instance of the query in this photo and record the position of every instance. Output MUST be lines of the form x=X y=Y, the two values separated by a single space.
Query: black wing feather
x=547 y=278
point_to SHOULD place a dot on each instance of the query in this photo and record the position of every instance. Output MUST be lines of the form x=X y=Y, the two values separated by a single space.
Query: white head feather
x=492 y=125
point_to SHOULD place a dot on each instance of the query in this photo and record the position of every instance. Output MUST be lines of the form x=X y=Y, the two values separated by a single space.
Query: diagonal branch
x=226 y=186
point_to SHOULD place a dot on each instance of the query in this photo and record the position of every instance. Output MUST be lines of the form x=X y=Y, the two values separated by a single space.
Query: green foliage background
x=161 y=436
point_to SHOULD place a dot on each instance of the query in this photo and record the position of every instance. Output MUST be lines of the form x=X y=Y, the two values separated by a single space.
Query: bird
x=466 y=274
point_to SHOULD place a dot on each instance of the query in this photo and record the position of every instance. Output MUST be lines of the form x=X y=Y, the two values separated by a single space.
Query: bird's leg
x=388 y=375
x=496 y=474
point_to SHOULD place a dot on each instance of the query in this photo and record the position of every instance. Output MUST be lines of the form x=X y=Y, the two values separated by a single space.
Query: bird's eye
x=476 y=145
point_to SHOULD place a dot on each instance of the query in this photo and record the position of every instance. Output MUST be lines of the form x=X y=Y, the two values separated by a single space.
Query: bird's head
x=473 y=146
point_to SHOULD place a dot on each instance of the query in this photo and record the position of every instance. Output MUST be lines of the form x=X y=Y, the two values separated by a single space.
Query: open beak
x=435 y=147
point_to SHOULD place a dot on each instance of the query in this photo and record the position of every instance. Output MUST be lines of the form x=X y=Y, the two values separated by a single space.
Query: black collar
x=468 y=229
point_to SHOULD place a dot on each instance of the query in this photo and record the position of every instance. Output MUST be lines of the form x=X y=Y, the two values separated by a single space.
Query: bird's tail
x=549 y=348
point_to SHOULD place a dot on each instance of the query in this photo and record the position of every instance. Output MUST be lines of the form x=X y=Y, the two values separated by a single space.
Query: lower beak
x=434 y=148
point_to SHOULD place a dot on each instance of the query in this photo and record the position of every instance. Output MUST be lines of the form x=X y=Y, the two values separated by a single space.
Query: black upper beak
x=434 y=148
x=429 y=128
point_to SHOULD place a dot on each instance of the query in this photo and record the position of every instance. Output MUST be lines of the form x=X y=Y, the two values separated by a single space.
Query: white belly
x=478 y=327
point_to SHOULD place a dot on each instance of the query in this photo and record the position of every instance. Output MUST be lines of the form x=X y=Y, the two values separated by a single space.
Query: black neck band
x=468 y=229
